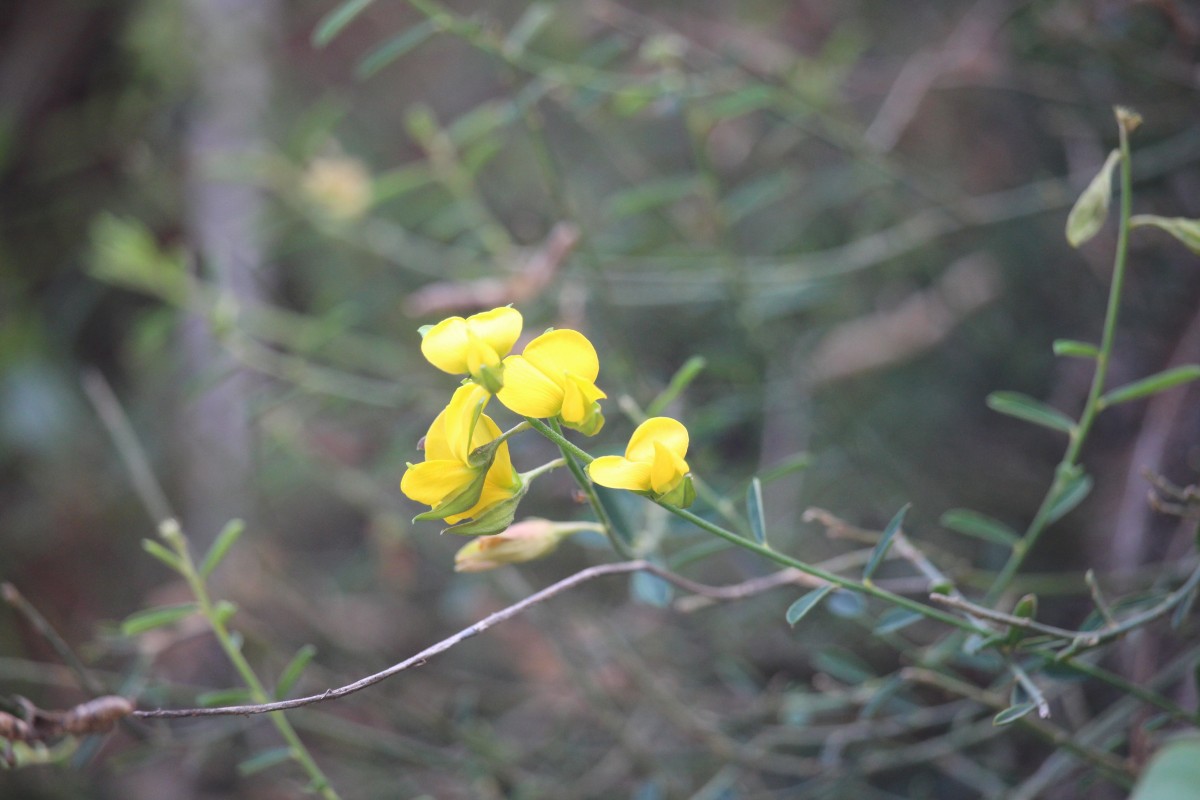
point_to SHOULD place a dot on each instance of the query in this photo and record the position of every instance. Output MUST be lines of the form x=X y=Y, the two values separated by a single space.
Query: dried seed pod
x=14 y=728
x=96 y=716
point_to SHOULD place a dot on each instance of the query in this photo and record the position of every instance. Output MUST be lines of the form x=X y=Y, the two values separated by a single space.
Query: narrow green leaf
x=754 y=511
x=1160 y=382
x=264 y=760
x=799 y=609
x=225 y=540
x=651 y=195
x=1071 y=495
x=895 y=619
x=395 y=48
x=1021 y=406
x=1173 y=772
x=793 y=463
x=292 y=672
x=1012 y=714
x=1091 y=209
x=152 y=618
x=846 y=604
x=979 y=526
x=224 y=697
x=1071 y=348
x=527 y=27
x=332 y=23
x=843 y=665
x=885 y=542
x=1185 y=230
x=679 y=381
x=162 y=554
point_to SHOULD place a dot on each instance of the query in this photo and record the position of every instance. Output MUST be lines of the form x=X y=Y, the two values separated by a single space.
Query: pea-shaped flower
x=457 y=479
x=474 y=346
x=653 y=463
x=555 y=376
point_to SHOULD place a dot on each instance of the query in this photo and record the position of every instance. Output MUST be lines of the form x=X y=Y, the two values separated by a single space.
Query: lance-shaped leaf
x=1187 y=231
x=1072 y=493
x=1160 y=382
x=754 y=511
x=1012 y=714
x=799 y=609
x=225 y=540
x=1074 y=349
x=979 y=526
x=1021 y=406
x=152 y=618
x=337 y=19
x=1091 y=209
x=885 y=542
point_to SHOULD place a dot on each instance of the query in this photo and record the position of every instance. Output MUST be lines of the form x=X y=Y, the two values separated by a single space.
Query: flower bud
x=527 y=540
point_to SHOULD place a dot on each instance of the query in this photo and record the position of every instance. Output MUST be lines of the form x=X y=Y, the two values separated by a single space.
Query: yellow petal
x=431 y=482
x=578 y=397
x=669 y=432
x=461 y=424
x=480 y=354
x=620 y=473
x=559 y=352
x=667 y=470
x=499 y=328
x=528 y=391
x=445 y=345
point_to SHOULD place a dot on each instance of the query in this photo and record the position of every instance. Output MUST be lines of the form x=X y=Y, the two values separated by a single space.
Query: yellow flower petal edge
x=447 y=481
x=653 y=462
x=555 y=377
x=474 y=346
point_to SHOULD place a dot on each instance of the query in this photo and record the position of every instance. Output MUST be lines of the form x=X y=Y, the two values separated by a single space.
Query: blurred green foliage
x=853 y=212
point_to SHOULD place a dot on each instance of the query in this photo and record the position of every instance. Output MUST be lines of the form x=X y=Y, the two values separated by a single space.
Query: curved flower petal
x=528 y=391
x=462 y=426
x=445 y=345
x=474 y=344
x=579 y=398
x=431 y=482
x=559 y=352
x=667 y=469
x=616 y=472
x=669 y=432
x=499 y=328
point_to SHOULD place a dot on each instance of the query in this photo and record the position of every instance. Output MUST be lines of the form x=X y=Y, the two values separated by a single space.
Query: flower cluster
x=467 y=477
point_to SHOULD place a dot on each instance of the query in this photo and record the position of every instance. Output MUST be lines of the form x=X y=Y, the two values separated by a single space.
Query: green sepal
x=490 y=378
x=458 y=503
x=682 y=495
x=483 y=456
x=496 y=518
x=591 y=424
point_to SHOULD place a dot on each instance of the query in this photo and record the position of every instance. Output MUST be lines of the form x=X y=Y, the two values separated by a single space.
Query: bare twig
x=40 y=624
x=570 y=582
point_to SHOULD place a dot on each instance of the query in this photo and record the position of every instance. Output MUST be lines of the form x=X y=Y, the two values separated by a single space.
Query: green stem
x=1092 y=406
x=865 y=587
x=573 y=456
x=544 y=468
x=297 y=750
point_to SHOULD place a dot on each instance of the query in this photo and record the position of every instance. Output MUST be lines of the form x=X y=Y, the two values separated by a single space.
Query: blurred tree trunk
x=233 y=41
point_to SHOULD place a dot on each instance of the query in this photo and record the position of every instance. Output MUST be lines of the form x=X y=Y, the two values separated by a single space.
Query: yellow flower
x=555 y=377
x=525 y=541
x=339 y=186
x=456 y=485
x=653 y=463
x=474 y=346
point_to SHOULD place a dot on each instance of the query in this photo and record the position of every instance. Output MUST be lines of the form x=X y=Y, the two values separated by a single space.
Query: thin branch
x=570 y=582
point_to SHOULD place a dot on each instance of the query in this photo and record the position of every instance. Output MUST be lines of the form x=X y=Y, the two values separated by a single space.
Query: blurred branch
x=147 y=487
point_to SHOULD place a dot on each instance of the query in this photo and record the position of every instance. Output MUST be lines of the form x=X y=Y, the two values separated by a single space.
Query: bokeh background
x=226 y=219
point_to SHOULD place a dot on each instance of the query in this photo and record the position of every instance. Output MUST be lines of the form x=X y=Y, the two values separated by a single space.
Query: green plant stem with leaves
x=216 y=617
x=1068 y=469
x=863 y=587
